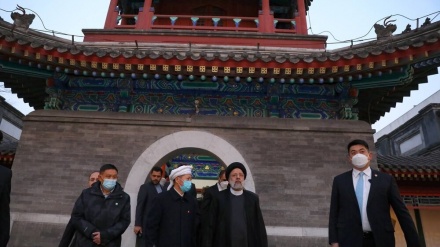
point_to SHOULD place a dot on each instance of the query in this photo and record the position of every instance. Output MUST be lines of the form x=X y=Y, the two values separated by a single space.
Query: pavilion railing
x=214 y=23
x=207 y=23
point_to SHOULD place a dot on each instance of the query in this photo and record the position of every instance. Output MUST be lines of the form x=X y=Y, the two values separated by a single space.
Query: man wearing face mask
x=235 y=218
x=360 y=205
x=212 y=191
x=221 y=185
x=173 y=218
x=102 y=213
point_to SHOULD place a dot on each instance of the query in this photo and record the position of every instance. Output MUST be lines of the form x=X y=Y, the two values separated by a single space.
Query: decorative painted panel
x=204 y=167
x=156 y=96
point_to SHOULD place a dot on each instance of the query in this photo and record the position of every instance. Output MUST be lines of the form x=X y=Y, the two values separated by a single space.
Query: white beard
x=237 y=186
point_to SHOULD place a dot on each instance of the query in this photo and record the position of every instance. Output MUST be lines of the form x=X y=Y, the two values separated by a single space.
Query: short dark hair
x=107 y=167
x=357 y=142
x=156 y=169
x=221 y=173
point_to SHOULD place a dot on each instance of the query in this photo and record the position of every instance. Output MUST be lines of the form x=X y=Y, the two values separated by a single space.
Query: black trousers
x=368 y=240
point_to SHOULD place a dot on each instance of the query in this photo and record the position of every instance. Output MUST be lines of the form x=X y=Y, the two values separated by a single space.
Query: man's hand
x=96 y=238
x=335 y=244
x=137 y=230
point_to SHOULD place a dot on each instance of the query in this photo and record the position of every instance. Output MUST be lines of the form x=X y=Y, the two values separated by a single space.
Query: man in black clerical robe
x=173 y=218
x=235 y=218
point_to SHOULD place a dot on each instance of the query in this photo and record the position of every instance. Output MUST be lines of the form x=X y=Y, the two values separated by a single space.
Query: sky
x=341 y=20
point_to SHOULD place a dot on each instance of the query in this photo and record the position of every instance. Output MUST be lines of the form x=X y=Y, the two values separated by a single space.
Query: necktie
x=360 y=191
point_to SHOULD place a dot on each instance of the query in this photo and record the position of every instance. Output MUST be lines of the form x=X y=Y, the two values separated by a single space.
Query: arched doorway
x=166 y=148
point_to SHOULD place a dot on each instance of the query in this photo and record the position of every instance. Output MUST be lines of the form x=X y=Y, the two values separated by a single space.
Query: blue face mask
x=109 y=184
x=186 y=186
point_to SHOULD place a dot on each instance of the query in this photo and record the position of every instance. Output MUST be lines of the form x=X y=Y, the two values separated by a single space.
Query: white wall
x=10 y=129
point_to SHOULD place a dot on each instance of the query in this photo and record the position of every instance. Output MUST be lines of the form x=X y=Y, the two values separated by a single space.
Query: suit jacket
x=147 y=193
x=204 y=209
x=217 y=228
x=207 y=197
x=345 y=226
x=5 y=193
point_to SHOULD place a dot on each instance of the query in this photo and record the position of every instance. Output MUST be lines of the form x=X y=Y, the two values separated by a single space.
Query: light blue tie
x=360 y=191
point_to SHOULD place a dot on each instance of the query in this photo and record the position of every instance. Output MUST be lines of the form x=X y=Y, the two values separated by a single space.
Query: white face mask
x=224 y=184
x=359 y=160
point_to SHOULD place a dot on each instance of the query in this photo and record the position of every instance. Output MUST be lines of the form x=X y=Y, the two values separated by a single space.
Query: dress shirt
x=158 y=188
x=367 y=178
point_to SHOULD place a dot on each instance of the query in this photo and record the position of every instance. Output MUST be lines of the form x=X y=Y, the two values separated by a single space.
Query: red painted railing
x=207 y=23
x=224 y=23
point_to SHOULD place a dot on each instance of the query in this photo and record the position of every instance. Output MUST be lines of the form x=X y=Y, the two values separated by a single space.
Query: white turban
x=182 y=170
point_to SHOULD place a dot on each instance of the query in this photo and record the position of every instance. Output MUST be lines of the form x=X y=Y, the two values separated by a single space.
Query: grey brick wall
x=276 y=241
x=32 y=234
x=292 y=161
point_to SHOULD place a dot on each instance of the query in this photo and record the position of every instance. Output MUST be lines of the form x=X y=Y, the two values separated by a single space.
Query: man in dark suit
x=213 y=191
x=360 y=205
x=221 y=185
x=147 y=192
x=208 y=194
x=5 y=193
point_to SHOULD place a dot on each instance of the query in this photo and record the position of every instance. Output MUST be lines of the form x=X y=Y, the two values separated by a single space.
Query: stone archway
x=218 y=147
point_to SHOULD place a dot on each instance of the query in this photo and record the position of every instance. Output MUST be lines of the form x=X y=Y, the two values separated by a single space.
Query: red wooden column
x=145 y=16
x=301 y=22
x=265 y=19
x=112 y=15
